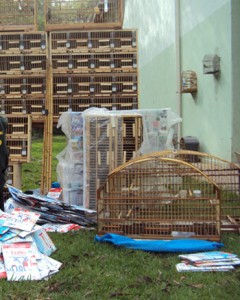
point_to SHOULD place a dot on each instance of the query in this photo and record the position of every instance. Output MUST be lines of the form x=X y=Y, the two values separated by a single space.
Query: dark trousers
x=1 y=198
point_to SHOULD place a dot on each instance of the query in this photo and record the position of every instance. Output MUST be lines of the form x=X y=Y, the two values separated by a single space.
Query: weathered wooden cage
x=24 y=42
x=22 y=64
x=18 y=15
x=158 y=198
x=11 y=86
x=94 y=62
x=97 y=41
x=18 y=138
x=80 y=103
x=83 y=14
x=111 y=140
x=225 y=174
x=22 y=105
x=98 y=85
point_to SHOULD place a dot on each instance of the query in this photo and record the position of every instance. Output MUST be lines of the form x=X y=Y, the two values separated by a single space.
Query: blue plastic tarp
x=179 y=245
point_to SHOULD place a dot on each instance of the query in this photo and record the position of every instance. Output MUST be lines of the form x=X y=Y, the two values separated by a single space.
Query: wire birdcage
x=162 y=198
x=18 y=15
x=224 y=173
x=83 y=14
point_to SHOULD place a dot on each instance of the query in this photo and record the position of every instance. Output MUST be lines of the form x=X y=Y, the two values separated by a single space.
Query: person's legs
x=1 y=198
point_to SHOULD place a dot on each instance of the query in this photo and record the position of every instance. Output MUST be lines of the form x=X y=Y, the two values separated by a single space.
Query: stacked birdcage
x=23 y=60
x=157 y=197
x=94 y=68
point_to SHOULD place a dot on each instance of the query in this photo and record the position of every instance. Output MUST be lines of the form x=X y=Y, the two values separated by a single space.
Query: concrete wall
x=235 y=75
x=206 y=28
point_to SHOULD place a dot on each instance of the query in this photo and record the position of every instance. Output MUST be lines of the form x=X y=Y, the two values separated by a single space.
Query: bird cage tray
x=157 y=198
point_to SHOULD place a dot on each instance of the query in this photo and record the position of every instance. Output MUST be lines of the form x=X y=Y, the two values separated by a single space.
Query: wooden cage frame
x=136 y=201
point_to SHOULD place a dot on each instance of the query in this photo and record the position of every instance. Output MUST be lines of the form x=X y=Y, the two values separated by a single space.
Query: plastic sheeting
x=180 y=245
x=157 y=129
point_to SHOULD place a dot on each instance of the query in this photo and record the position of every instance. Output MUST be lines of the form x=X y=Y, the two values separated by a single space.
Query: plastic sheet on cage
x=110 y=139
x=70 y=165
x=183 y=245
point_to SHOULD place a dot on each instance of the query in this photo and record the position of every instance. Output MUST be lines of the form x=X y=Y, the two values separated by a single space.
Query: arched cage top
x=157 y=197
x=224 y=173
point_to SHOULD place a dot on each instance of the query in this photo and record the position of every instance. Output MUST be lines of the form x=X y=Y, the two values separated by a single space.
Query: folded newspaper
x=25 y=248
x=208 y=261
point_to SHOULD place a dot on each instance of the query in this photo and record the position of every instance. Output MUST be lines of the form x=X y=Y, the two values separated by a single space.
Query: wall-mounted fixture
x=189 y=82
x=211 y=64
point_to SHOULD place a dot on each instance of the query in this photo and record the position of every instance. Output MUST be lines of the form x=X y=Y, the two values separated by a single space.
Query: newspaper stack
x=25 y=247
x=50 y=209
x=208 y=261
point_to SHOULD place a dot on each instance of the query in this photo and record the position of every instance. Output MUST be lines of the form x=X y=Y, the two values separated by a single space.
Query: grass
x=99 y=271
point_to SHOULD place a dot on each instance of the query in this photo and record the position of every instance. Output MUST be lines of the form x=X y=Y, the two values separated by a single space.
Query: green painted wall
x=207 y=27
x=236 y=75
x=158 y=81
x=208 y=114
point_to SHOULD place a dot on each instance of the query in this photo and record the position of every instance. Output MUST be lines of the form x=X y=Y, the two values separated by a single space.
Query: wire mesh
x=20 y=12
x=83 y=13
x=155 y=197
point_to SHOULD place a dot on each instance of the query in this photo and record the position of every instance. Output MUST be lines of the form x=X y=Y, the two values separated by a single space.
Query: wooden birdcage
x=110 y=141
x=224 y=173
x=98 y=85
x=18 y=138
x=23 y=42
x=159 y=198
x=94 y=63
x=18 y=15
x=97 y=41
x=83 y=14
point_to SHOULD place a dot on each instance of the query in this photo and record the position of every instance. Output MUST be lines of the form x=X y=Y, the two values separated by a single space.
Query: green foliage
x=31 y=172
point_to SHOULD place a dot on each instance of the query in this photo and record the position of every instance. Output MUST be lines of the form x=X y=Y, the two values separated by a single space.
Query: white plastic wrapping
x=100 y=140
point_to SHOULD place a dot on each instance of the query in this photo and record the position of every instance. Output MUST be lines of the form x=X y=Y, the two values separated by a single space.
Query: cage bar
x=155 y=197
x=83 y=14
